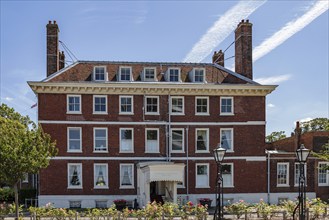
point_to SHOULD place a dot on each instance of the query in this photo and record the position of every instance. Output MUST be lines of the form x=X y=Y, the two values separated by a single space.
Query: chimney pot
x=54 y=22
x=242 y=21
x=247 y=20
x=49 y=22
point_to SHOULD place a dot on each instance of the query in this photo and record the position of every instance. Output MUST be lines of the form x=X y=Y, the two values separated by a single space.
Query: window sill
x=99 y=113
x=152 y=152
x=226 y=114
x=202 y=151
x=323 y=185
x=151 y=113
x=126 y=152
x=74 y=187
x=126 y=113
x=74 y=113
x=202 y=187
x=127 y=187
x=282 y=185
x=99 y=187
x=202 y=114
x=100 y=151
x=74 y=151
x=228 y=186
x=178 y=114
x=174 y=152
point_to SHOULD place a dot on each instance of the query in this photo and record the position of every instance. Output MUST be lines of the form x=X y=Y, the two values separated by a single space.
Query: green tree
x=275 y=136
x=317 y=124
x=24 y=148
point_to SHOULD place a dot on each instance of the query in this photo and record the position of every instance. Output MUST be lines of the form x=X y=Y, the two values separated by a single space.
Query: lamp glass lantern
x=302 y=154
x=219 y=153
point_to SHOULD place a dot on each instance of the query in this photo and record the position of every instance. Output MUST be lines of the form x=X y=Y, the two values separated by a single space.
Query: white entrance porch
x=158 y=181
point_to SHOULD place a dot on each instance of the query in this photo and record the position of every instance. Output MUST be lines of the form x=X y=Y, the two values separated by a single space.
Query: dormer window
x=197 y=75
x=173 y=75
x=99 y=73
x=125 y=73
x=149 y=74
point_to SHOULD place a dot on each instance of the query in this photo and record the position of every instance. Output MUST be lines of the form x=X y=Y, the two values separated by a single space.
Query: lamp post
x=219 y=154
x=302 y=154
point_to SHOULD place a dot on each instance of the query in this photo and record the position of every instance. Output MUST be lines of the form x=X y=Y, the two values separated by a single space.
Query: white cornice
x=151 y=88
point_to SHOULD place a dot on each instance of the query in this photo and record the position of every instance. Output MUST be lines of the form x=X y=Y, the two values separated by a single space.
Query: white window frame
x=204 y=75
x=105 y=74
x=171 y=105
x=158 y=105
x=296 y=177
x=277 y=174
x=154 y=75
x=196 y=175
x=132 y=105
x=232 y=138
x=106 y=140
x=158 y=143
x=232 y=107
x=25 y=178
x=196 y=105
x=68 y=140
x=171 y=140
x=207 y=140
x=99 y=112
x=69 y=186
x=232 y=176
x=132 y=141
x=130 y=75
x=168 y=74
x=327 y=174
x=132 y=176
x=106 y=176
x=68 y=104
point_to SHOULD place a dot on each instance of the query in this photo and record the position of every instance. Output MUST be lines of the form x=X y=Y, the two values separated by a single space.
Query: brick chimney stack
x=243 y=49
x=55 y=58
x=218 y=58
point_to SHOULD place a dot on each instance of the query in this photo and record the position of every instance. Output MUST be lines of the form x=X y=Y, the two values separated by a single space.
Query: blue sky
x=290 y=41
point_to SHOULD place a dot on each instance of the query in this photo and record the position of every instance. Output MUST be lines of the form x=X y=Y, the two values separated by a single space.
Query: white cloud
x=270 y=105
x=289 y=30
x=273 y=79
x=221 y=29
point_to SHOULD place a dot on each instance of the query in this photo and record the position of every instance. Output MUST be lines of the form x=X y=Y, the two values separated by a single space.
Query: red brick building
x=142 y=130
x=284 y=168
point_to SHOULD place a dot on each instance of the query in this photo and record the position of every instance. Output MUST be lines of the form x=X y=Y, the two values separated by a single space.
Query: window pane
x=74 y=139
x=227 y=175
x=100 y=175
x=202 y=105
x=151 y=105
x=149 y=74
x=74 y=175
x=201 y=139
x=226 y=105
x=100 y=104
x=173 y=75
x=226 y=140
x=177 y=140
x=282 y=174
x=126 y=175
x=177 y=105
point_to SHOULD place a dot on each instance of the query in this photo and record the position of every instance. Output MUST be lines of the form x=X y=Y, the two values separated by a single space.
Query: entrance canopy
x=163 y=171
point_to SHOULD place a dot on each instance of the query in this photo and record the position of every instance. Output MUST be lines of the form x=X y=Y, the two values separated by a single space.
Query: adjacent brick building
x=146 y=130
x=284 y=168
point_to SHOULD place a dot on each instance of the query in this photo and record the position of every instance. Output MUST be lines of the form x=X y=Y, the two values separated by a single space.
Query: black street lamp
x=219 y=154
x=302 y=154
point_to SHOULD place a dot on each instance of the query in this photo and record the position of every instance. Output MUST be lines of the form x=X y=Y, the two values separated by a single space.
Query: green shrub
x=7 y=194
